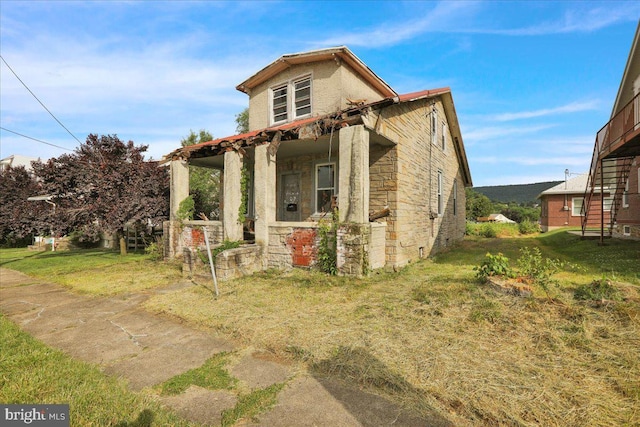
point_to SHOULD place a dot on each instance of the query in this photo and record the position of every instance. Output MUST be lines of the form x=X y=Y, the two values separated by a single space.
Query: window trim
x=315 y=184
x=290 y=99
x=625 y=195
x=573 y=206
x=443 y=137
x=455 y=196
x=440 y=193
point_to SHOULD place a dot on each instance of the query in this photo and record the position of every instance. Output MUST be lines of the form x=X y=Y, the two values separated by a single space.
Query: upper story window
x=444 y=136
x=291 y=100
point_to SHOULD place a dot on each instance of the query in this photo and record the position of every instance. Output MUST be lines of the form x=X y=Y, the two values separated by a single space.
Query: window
x=285 y=108
x=455 y=196
x=440 y=195
x=434 y=126
x=626 y=230
x=608 y=203
x=444 y=136
x=625 y=195
x=325 y=186
x=280 y=103
x=576 y=206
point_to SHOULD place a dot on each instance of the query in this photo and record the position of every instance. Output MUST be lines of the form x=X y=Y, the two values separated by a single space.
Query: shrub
x=86 y=237
x=598 y=290
x=488 y=230
x=155 y=250
x=493 y=265
x=327 y=251
x=528 y=227
x=537 y=269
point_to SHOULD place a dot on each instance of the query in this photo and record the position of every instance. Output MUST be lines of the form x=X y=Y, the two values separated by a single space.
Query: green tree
x=242 y=121
x=477 y=204
x=204 y=183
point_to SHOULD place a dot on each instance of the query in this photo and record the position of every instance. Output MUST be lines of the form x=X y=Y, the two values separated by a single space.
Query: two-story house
x=615 y=163
x=326 y=132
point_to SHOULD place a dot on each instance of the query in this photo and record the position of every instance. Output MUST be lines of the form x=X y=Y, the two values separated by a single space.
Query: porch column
x=264 y=194
x=353 y=182
x=232 y=196
x=179 y=190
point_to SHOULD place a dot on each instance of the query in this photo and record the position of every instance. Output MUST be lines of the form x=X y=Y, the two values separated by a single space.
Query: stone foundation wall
x=229 y=264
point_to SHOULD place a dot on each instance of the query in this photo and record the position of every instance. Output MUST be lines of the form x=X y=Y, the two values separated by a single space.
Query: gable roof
x=571 y=186
x=340 y=53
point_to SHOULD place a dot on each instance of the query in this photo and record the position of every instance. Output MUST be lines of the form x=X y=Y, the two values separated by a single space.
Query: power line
x=34 y=139
x=34 y=95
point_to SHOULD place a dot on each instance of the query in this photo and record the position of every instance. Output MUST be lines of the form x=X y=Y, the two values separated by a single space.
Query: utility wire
x=34 y=95
x=34 y=139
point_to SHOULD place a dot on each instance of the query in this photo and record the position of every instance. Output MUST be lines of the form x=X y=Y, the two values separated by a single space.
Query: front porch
x=293 y=185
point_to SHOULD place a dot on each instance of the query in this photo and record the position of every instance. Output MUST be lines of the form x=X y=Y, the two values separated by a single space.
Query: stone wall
x=229 y=264
x=407 y=177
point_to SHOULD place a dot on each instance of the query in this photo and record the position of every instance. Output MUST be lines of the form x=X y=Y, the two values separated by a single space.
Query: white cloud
x=573 y=107
x=482 y=134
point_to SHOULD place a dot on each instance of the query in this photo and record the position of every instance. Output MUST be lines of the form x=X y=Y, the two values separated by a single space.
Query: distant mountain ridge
x=521 y=193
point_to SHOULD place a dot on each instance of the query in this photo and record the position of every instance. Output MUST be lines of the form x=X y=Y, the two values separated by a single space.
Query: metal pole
x=213 y=269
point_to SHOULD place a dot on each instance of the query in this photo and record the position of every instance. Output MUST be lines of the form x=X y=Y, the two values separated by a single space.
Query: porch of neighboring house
x=616 y=146
x=294 y=176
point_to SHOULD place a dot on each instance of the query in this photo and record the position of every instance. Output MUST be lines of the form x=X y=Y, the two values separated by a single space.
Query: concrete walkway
x=147 y=349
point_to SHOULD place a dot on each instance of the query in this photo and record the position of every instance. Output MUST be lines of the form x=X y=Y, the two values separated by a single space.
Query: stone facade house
x=616 y=160
x=326 y=132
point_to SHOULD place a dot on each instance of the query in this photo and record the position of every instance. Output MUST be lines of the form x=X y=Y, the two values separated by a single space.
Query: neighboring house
x=561 y=205
x=616 y=160
x=325 y=132
x=17 y=160
x=496 y=218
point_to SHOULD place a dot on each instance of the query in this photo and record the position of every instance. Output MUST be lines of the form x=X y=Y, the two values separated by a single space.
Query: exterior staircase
x=616 y=145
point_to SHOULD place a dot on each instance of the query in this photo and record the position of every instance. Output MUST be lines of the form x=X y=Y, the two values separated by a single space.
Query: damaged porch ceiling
x=296 y=148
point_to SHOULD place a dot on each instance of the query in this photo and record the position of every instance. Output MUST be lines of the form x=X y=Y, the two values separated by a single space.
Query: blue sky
x=532 y=82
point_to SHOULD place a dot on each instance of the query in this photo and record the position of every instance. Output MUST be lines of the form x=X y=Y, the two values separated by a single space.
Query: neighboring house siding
x=331 y=86
x=554 y=215
x=629 y=216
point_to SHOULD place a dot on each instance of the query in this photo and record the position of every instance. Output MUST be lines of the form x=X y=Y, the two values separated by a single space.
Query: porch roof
x=315 y=127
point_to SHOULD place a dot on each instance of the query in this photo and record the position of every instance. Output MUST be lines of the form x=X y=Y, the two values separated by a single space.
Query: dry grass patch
x=431 y=336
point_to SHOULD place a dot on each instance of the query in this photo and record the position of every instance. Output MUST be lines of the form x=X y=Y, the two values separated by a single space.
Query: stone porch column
x=353 y=182
x=178 y=191
x=352 y=238
x=264 y=195
x=232 y=197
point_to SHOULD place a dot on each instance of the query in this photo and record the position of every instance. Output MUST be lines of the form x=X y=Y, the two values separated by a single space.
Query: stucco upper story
x=326 y=80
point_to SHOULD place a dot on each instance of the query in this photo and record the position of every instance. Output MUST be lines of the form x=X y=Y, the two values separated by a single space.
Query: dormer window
x=283 y=107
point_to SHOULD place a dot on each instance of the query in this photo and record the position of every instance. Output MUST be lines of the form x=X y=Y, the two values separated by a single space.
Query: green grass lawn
x=431 y=336
x=95 y=271
x=31 y=372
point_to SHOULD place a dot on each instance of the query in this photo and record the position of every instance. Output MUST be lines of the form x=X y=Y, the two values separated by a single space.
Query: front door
x=290 y=197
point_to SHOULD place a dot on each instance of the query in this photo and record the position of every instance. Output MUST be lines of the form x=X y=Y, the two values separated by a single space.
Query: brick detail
x=302 y=243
